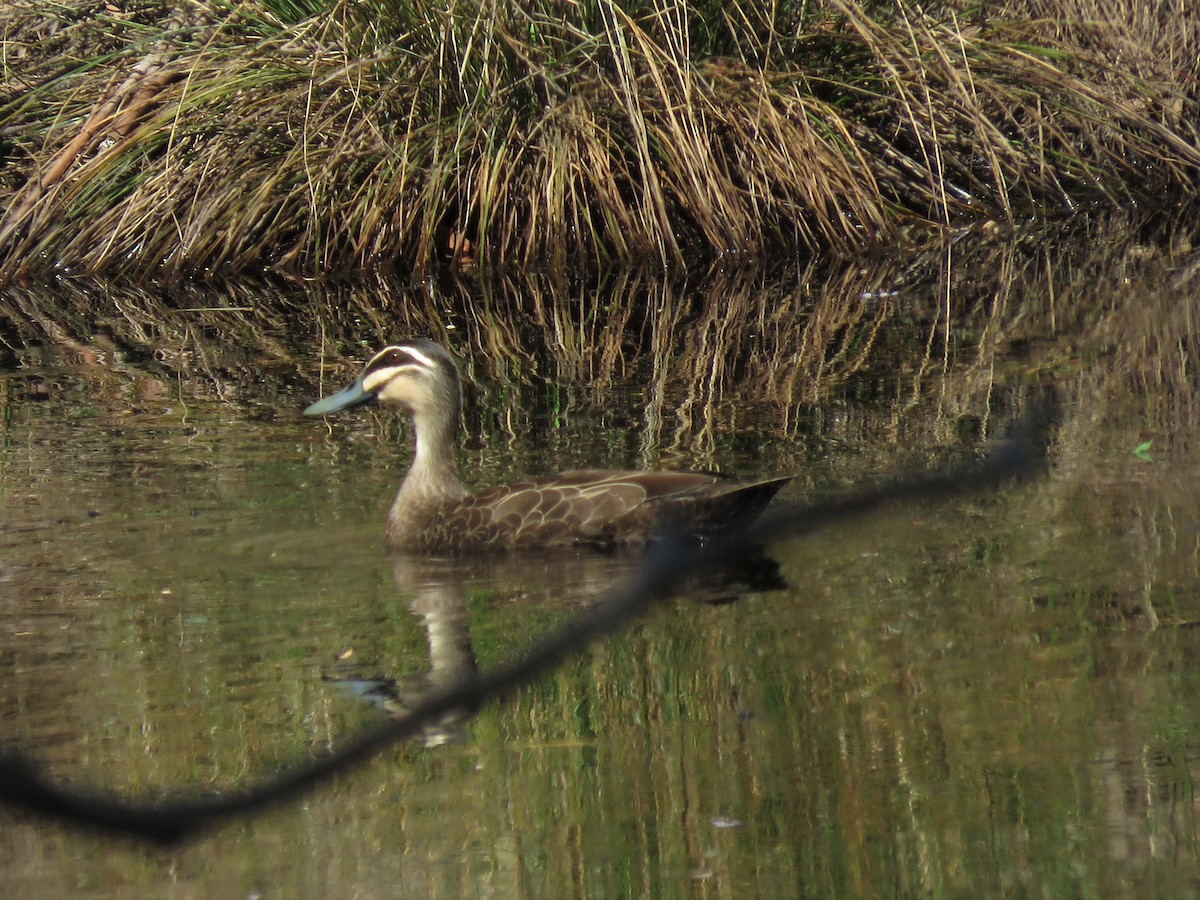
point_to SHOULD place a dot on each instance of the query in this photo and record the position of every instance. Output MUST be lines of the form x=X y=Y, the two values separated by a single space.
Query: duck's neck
x=433 y=478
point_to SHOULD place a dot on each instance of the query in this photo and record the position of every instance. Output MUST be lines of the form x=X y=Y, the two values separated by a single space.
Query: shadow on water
x=987 y=698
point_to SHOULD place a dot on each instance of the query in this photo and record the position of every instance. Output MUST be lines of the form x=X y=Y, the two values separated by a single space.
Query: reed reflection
x=439 y=592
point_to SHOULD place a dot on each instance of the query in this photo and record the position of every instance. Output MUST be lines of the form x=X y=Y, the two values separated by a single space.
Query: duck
x=433 y=513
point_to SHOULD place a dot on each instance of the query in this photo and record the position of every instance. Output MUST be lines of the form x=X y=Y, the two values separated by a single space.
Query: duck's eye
x=404 y=356
x=392 y=358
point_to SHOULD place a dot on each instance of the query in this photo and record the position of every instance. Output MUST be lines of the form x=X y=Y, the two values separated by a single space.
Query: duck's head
x=416 y=376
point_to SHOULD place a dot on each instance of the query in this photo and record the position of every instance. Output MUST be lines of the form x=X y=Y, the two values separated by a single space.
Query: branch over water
x=667 y=566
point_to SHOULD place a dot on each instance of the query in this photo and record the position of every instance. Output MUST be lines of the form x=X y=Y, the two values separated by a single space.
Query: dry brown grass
x=403 y=135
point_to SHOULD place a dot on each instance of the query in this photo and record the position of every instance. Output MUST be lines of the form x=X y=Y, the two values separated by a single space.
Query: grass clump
x=330 y=137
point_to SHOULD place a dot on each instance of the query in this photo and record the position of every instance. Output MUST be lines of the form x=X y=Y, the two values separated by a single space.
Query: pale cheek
x=399 y=395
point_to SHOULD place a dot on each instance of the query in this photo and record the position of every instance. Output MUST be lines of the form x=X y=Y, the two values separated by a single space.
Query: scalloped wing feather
x=586 y=507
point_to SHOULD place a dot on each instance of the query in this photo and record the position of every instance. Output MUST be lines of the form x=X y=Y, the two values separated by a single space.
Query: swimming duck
x=434 y=513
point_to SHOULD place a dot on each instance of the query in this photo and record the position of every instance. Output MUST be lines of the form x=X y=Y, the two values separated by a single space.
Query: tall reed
x=317 y=138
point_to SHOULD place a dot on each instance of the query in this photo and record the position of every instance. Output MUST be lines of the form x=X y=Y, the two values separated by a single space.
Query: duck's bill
x=354 y=395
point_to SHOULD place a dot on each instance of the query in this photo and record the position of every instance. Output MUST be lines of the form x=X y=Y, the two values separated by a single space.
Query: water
x=995 y=696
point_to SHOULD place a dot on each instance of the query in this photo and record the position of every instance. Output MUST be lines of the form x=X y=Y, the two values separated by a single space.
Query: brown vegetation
x=316 y=138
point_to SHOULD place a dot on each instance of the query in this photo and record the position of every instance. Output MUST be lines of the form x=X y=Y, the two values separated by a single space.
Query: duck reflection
x=438 y=590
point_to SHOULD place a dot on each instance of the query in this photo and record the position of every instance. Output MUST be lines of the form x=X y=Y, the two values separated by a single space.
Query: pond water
x=993 y=696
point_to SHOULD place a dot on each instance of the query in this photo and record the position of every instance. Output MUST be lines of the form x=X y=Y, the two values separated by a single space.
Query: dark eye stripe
x=399 y=358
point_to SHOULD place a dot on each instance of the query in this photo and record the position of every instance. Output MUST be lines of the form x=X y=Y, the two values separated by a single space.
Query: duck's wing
x=606 y=508
x=571 y=508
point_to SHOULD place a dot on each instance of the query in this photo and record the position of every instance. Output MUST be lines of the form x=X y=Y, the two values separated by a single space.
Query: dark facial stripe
x=398 y=358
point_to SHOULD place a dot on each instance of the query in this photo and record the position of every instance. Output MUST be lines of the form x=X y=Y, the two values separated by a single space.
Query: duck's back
x=584 y=508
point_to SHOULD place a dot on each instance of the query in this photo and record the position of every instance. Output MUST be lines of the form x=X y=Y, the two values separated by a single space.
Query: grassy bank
x=319 y=137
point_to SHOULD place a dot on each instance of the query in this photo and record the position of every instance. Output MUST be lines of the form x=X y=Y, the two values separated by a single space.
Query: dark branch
x=666 y=567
